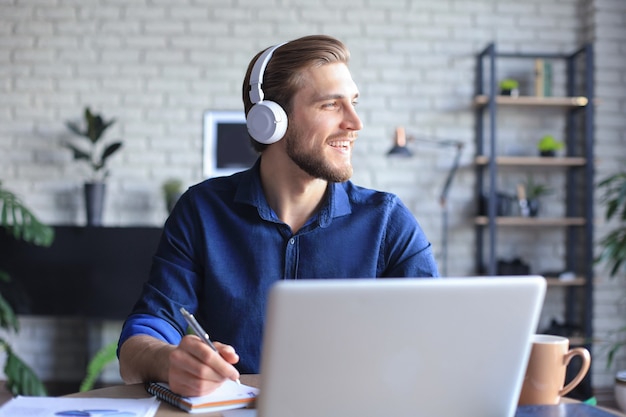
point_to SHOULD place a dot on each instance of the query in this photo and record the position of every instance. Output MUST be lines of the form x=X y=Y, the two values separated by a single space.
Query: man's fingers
x=199 y=360
x=227 y=352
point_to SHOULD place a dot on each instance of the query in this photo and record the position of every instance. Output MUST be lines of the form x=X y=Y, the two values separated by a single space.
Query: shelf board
x=533 y=161
x=579 y=101
x=532 y=221
x=577 y=341
x=556 y=282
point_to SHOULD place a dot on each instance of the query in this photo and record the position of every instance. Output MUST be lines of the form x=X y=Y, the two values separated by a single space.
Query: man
x=294 y=215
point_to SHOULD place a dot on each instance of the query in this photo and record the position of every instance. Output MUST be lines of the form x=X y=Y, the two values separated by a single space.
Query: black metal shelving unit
x=576 y=164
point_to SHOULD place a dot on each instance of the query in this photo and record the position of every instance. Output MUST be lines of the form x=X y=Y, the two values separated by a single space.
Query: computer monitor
x=226 y=144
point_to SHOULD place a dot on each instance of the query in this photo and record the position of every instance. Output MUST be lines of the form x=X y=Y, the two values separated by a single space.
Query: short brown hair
x=281 y=79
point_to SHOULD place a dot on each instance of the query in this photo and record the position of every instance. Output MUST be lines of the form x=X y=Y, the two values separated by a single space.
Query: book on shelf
x=228 y=396
x=543 y=78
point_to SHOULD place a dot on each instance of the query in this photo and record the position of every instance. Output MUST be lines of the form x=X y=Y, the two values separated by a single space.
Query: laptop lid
x=448 y=347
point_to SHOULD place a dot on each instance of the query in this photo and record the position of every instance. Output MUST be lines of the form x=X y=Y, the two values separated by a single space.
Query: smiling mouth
x=341 y=144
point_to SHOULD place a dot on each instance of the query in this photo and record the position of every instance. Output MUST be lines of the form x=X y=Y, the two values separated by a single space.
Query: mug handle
x=586 y=358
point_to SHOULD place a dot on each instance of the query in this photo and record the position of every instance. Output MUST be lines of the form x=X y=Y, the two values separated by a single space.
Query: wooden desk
x=166 y=410
x=138 y=391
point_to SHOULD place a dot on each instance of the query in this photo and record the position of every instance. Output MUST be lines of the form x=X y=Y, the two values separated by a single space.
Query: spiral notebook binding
x=165 y=394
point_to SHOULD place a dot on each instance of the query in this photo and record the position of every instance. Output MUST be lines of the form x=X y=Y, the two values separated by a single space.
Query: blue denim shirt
x=223 y=247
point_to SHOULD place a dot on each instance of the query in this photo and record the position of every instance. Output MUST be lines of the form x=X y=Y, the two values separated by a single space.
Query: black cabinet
x=94 y=272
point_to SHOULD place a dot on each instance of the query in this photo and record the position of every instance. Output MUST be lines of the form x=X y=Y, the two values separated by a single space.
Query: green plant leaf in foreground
x=613 y=244
x=102 y=358
x=21 y=380
x=8 y=319
x=21 y=222
x=615 y=347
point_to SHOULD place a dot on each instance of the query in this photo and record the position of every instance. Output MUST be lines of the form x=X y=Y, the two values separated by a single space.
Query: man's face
x=323 y=123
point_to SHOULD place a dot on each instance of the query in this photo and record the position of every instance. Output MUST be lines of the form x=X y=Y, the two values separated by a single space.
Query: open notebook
x=229 y=395
x=397 y=347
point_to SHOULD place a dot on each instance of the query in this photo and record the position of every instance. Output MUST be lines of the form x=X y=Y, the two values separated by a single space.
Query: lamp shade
x=399 y=147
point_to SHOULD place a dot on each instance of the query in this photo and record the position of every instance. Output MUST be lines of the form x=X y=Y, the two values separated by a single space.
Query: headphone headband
x=266 y=120
x=256 y=75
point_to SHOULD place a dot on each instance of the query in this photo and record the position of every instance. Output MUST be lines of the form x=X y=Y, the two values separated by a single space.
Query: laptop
x=450 y=347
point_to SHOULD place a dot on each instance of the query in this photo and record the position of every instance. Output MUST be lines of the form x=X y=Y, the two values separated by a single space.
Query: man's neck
x=293 y=194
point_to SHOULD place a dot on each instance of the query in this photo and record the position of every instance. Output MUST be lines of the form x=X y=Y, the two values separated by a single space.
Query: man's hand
x=196 y=369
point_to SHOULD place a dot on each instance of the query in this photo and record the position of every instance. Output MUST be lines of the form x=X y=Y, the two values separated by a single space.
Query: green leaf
x=615 y=347
x=21 y=380
x=8 y=319
x=101 y=359
x=74 y=128
x=18 y=220
x=110 y=150
x=78 y=153
x=613 y=245
x=614 y=195
x=96 y=125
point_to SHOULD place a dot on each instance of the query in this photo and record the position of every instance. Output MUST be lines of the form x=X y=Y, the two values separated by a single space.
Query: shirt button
x=292 y=241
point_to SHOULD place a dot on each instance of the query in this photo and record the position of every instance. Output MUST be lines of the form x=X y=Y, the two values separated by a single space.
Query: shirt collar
x=250 y=191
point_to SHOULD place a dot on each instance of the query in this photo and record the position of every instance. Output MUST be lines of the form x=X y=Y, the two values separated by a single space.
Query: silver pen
x=198 y=330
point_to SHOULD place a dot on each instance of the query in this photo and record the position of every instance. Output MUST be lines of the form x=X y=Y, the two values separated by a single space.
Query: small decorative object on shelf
x=548 y=146
x=533 y=192
x=514 y=266
x=172 y=190
x=96 y=155
x=543 y=78
x=504 y=204
x=509 y=87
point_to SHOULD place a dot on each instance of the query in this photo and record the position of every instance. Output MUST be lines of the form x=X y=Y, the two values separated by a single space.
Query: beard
x=312 y=162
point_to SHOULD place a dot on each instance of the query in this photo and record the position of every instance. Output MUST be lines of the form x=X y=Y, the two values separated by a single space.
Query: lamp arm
x=400 y=148
x=443 y=198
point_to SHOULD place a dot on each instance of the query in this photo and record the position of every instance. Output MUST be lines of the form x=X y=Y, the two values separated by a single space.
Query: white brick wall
x=157 y=65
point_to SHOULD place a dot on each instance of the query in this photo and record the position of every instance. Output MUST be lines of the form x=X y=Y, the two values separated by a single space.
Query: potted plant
x=509 y=87
x=548 y=145
x=534 y=191
x=613 y=253
x=96 y=154
x=172 y=190
x=17 y=220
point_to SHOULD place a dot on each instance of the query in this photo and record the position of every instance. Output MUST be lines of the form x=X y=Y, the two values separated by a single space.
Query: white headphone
x=266 y=120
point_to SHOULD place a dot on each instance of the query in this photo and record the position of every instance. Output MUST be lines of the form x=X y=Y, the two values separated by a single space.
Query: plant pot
x=171 y=200
x=94 y=202
x=533 y=207
x=547 y=153
x=513 y=92
x=620 y=390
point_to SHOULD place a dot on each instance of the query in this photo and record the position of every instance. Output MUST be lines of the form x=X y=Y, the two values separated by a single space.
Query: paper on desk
x=84 y=407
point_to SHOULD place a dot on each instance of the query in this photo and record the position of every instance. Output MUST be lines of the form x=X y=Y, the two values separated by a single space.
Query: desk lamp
x=400 y=149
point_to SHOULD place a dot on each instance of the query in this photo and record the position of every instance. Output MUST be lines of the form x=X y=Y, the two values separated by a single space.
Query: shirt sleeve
x=151 y=326
x=173 y=283
x=408 y=251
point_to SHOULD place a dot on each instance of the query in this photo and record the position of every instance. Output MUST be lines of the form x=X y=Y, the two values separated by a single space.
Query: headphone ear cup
x=267 y=122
